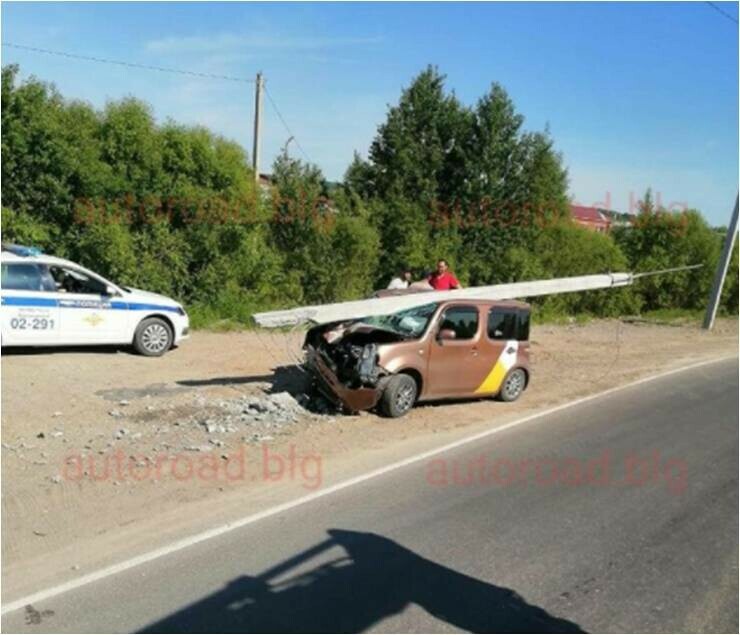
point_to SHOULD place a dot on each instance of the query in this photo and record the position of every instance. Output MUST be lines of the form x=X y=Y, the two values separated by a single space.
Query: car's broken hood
x=360 y=331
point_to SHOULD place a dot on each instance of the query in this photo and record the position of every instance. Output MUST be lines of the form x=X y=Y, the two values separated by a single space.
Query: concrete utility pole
x=257 y=127
x=719 y=276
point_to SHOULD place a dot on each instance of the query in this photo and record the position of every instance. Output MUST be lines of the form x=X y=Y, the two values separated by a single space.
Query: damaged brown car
x=442 y=350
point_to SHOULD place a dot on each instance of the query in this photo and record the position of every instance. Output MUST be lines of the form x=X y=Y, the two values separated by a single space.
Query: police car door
x=88 y=315
x=30 y=314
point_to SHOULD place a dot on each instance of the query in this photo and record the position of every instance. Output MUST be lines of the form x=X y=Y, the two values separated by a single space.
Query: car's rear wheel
x=399 y=396
x=153 y=337
x=513 y=385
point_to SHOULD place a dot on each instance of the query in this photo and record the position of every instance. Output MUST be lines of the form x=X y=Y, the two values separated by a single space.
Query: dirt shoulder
x=106 y=454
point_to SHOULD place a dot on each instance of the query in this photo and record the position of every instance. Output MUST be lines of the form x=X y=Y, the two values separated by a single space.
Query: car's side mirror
x=111 y=290
x=446 y=334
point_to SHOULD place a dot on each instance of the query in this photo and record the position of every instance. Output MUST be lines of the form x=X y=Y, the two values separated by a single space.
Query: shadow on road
x=227 y=381
x=103 y=349
x=376 y=579
x=284 y=378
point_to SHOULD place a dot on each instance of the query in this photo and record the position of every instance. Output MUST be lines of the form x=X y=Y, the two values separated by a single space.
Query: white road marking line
x=278 y=509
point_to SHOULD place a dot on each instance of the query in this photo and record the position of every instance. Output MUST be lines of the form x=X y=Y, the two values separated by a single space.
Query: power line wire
x=287 y=127
x=723 y=12
x=148 y=67
x=163 y=69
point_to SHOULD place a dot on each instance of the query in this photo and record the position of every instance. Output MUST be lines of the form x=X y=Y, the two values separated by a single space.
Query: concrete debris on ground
x=261 y=413
x=207 y=424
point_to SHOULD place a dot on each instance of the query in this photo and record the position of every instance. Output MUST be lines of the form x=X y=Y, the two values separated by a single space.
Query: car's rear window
x=26 y=276
x=506 y=323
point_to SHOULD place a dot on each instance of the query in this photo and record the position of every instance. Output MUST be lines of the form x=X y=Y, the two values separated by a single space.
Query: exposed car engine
x=350 y=351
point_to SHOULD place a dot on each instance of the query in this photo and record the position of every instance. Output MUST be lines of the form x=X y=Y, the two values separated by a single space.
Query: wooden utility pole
x=721 y=273
x=257 y=127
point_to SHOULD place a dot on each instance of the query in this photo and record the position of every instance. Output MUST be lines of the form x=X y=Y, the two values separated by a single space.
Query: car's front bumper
x=182 y=328
x=354 y=399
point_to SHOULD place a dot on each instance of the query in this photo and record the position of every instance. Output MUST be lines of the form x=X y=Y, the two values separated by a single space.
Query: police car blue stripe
x=86 y=304
x=15 y=301
x=66 y=303
x=138 y=306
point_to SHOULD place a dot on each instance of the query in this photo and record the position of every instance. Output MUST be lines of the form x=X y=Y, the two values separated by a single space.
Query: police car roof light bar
x=21 y=250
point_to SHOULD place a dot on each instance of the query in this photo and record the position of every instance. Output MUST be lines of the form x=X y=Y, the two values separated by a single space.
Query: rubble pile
x=206 y=424
x=257 y=414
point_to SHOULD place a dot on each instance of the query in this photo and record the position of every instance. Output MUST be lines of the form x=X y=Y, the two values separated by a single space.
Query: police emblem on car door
x=87 y=312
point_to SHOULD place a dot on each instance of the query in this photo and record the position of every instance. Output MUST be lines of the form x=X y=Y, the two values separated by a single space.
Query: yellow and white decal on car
x=503 y=364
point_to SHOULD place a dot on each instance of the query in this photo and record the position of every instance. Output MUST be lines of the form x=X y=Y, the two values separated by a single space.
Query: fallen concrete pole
x=356 y=309
x=323 y=313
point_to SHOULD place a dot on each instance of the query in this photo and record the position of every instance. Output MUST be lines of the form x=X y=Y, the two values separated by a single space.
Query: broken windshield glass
x=410 y=323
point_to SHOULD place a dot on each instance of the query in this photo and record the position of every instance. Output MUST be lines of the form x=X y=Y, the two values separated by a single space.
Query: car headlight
x=181 y=311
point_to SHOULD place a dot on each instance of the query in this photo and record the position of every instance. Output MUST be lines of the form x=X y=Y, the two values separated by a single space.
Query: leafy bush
x=662 y=240
x=565 y=249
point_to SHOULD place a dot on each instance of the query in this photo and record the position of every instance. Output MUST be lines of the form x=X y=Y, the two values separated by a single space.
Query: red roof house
x=591 y=218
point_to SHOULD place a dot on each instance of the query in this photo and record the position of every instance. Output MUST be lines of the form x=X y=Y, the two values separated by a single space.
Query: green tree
x=131 y=147
x=37 y=163
x=563 y=250
x=659 y=240
x=329 y=241
x=462 y=183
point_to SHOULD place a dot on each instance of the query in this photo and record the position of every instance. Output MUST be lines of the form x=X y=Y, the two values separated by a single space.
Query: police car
x=48 y=301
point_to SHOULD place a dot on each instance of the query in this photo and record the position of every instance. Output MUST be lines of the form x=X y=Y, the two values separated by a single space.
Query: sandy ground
x=106 y=454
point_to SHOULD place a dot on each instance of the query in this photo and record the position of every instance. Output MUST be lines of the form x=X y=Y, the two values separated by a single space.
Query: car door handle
x=474 y=352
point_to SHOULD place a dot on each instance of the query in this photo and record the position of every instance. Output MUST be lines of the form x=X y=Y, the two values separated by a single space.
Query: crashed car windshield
x=410 y=323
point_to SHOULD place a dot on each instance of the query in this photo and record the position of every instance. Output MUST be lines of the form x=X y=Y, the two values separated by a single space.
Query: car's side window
x=75 y=281
x=463 y=320
x=523 y=334
x=508 y=324
x=26 y=276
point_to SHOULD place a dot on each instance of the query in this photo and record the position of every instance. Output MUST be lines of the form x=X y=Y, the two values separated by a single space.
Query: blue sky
x=634 y=94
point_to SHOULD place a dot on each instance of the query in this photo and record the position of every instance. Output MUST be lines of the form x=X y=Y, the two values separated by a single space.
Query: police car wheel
x=153 y=337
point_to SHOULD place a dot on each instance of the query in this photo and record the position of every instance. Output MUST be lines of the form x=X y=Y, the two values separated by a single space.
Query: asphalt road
x=618 y=514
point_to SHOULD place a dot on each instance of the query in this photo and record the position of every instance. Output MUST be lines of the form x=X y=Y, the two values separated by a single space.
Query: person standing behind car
x=402 y=280
x=443 y=279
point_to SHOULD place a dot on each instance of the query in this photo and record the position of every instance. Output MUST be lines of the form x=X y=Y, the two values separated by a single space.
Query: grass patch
x=561 y=319
x=673 y=316
x=209 y=319
x=223 y=326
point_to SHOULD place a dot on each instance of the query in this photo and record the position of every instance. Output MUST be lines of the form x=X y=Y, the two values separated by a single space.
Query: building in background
x=591 y=217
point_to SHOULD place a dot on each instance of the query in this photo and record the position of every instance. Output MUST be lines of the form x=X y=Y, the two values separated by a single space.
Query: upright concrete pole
x=721 y=273
x=257 y=127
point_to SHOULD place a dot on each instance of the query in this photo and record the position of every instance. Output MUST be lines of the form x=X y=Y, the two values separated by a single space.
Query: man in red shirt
x=443 y=279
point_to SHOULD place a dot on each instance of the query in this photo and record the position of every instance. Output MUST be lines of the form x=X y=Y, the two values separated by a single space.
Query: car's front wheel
x=513 y=385
x=399 y=396
x=153 y=337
